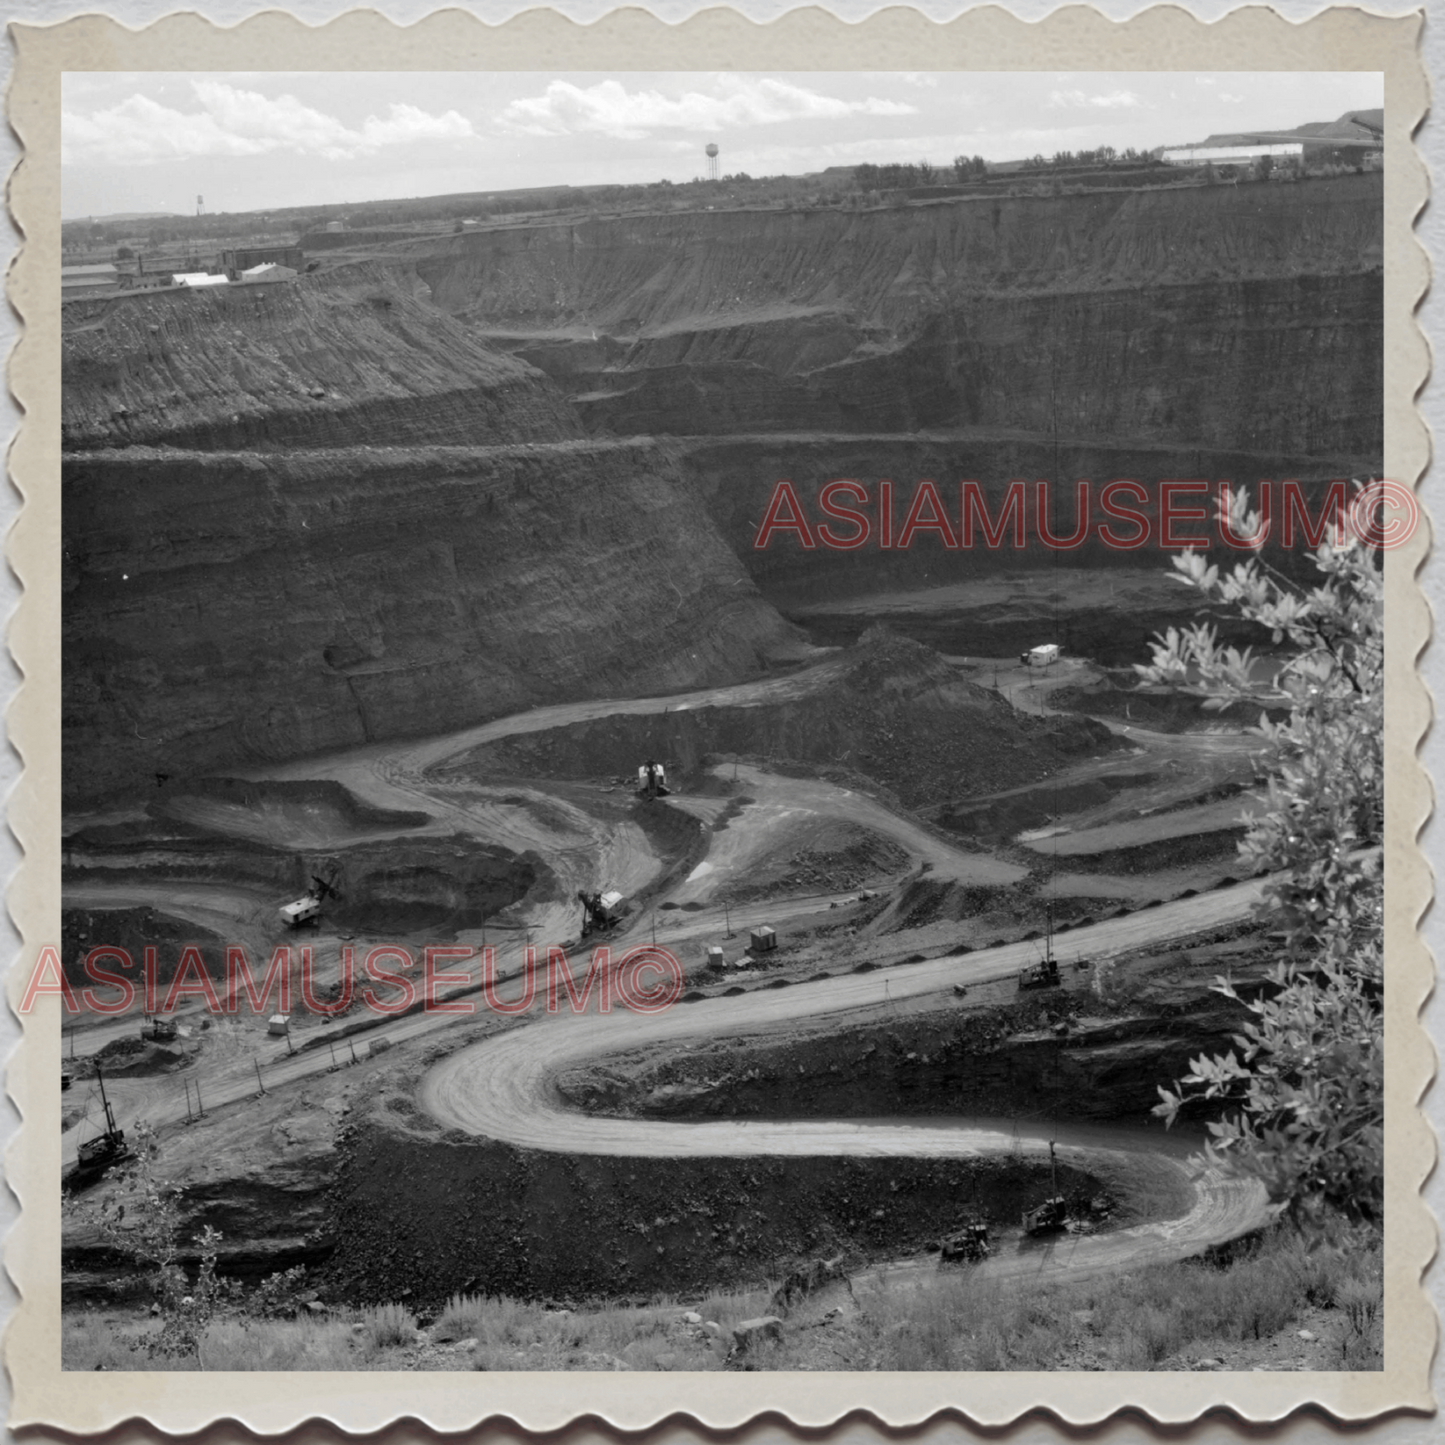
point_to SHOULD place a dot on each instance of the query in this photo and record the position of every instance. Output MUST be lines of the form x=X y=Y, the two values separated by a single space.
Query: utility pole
x=259 y=1084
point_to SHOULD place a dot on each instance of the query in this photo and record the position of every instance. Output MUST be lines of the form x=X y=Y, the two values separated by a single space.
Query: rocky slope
x=365 y=504
x=1224 y=316
x=894 y=711
x=224 y=606
x=351 y=359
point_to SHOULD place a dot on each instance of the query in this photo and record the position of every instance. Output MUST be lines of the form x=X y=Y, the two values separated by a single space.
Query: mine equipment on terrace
x=1045 y=973
x=307 y=908
x=158 y=1030
x=968 y=1246
x=1041 y=975
x=97 y=1155
x=652 y=780
x=1052 y=1215
x=600 y=911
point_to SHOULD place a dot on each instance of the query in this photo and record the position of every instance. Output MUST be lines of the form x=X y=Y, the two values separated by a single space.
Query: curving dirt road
x=503 y=1089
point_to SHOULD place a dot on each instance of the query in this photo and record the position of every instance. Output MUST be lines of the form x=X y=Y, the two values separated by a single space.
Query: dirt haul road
x=503 y=1089
x=581 y=849
x=481 y=1092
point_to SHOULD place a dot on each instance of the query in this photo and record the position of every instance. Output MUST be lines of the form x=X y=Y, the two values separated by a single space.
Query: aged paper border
x=1078 y=39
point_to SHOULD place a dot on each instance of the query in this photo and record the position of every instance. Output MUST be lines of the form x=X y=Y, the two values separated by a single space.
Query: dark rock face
x=223 y=606
x=1224 y=317
x=364 y=505
x=423 y=1220
x=1106 y=1064
x=350 y=361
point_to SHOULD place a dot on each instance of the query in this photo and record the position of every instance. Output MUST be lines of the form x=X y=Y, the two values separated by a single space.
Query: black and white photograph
x=722 y=721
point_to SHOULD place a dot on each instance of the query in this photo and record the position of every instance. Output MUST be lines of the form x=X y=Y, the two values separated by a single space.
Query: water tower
x=200 y=205
x=712 y=160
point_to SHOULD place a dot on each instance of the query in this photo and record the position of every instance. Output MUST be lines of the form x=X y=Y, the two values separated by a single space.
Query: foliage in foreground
x=1306 y=1080
x=140 y=1218
x=954 y=1320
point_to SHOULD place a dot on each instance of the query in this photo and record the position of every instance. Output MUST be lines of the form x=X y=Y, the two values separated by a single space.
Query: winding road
x=504 y=1089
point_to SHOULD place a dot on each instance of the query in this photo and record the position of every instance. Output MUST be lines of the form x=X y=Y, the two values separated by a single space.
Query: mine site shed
x=88 y=280
x=247 y=258
x=266 y=272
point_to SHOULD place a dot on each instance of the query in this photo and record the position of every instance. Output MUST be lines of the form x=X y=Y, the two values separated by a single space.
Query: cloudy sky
x=153 y=142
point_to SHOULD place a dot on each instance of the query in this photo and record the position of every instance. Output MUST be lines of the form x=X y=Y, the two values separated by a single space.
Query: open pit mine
x=385 y=587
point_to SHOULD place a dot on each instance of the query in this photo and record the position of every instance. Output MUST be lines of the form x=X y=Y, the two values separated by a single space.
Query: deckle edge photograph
x=726 y=729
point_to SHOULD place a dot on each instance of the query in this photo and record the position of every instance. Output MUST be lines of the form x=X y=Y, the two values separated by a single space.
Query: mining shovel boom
x=103 y=1152
x=1053 y=1214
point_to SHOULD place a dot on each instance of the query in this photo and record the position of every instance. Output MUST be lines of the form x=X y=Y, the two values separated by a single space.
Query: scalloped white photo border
x=1076 y=38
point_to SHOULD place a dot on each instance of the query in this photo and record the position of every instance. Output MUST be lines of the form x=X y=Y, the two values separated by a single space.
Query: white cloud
x=233 y=123
x=1078 y=100
x=609 y=108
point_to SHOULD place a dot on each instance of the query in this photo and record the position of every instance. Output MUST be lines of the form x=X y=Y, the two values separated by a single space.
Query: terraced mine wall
x=1190 y=332
x=224 y=606
x=1219 y=317
x=983 y=1062
x=389 y=498
x=351 y=360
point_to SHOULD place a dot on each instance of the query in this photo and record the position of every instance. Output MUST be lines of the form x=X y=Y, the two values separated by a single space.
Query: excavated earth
x=394 y=496
x=893 y=711
x=431 y=488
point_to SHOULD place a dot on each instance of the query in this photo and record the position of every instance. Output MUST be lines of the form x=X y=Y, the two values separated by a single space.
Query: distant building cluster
x=94 y=280
x=1230 y=155
x=245 y=265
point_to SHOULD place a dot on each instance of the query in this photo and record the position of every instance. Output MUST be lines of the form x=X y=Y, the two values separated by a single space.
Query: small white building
x=278 y=1026
x=197 y=279
x=1040 y=656
x=763 y=939
x=268 y=271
